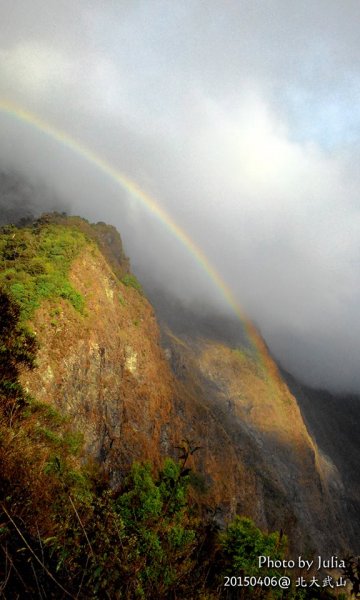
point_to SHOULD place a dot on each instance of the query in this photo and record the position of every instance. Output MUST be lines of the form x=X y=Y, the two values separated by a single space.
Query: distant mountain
x=22 y=200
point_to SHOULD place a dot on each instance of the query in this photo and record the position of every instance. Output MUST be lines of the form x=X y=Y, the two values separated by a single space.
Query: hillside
x=136 y=393
x=334 y=422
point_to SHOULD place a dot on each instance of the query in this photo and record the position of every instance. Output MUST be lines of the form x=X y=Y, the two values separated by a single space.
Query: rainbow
x=29 y=118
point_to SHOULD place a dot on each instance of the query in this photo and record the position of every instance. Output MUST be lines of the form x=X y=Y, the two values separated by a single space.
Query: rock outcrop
x=135 y=398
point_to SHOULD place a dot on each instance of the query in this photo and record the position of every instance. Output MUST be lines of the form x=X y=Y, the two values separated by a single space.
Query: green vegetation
x=121 y=299
x=64 y=531
x=35 y=264
x=243 y=543
x=130 y=281
x=17 y=350
x=251 y=359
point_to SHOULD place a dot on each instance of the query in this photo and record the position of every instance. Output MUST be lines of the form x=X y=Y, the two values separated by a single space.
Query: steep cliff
x=299 y=487
x=101 y=361
x=334 y=422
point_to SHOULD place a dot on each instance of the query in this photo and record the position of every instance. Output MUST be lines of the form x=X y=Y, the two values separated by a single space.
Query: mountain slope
x=301 y=488
x=334 y=422
x=101 y=362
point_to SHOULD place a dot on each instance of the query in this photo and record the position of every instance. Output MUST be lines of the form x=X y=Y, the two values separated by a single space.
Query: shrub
x=17 y=349
x=36 y=263
x=242 y=543
x=130 y=281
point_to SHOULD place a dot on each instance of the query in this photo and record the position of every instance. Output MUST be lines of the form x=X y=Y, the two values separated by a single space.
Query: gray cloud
x=240 y=118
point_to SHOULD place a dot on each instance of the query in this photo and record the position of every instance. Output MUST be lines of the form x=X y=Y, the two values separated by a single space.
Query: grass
x=130 y=281
x=121 y=299
x=35 y=264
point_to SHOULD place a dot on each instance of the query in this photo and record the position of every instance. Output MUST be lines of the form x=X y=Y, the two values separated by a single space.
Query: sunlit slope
x=101 y=362
x=243 y=387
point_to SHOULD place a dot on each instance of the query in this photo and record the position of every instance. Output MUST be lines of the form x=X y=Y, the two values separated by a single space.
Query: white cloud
x=34 y=69
x=241 y=117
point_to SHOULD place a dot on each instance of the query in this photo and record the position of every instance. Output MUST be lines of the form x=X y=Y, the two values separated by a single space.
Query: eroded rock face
x=107 y=370
x=300 y=488
x=135 y=401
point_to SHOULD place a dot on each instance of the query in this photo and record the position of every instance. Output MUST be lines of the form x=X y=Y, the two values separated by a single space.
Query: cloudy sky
x=241 y=118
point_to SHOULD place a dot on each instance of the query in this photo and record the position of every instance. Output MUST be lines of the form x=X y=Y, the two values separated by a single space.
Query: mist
x=241 y=119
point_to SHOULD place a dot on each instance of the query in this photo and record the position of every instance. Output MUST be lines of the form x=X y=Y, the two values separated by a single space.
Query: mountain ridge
x=134 y=399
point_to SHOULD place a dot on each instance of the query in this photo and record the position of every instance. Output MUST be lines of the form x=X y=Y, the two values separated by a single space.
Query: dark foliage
x=17 y=349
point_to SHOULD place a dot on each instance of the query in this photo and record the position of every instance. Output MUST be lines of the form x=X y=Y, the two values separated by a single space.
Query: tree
x=242 y=543
x=17 y=349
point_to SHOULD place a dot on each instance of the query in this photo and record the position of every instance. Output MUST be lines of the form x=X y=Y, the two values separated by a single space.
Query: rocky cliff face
x=299 y=488
x=136 y=399
x=334 y=422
